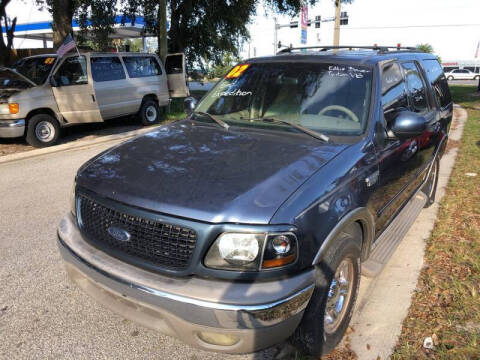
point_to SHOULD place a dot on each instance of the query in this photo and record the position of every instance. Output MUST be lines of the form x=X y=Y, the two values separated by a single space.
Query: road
x=42 y=315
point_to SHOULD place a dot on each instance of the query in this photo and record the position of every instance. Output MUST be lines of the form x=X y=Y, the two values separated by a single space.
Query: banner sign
x=304 y=24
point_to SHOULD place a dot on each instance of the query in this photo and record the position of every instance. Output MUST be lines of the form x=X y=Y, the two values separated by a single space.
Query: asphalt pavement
x=42 y=315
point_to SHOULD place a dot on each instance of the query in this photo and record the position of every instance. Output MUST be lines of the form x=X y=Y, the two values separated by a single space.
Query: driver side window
x=394 y=92
x=73 y=71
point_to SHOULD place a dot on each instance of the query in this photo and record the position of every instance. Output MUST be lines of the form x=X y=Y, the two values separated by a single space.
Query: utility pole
x=336 y=31
x=275 y=36
x=162 y=29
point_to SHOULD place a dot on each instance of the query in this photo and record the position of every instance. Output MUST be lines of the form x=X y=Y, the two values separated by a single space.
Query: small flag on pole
x=68 y=44
x=476 y=52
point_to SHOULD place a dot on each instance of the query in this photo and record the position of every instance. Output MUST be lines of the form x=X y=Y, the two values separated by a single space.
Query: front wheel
x=476 y=77
x=150 y=112
x=330 y=309
x=450 y=78
x=42 y=130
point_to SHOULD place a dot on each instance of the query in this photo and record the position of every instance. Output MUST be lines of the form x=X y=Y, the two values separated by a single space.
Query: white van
x=41 y=94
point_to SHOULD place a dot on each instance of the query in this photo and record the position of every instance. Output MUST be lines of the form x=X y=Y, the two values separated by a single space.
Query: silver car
x=42 y=94
x=462 y=74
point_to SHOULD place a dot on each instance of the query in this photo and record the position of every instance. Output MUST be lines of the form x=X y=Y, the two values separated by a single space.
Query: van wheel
x=430 y=188
x=42 y=130
x=337 y=279
x=150 y=112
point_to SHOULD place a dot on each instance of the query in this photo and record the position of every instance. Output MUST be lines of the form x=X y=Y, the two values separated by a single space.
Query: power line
x=408 y=26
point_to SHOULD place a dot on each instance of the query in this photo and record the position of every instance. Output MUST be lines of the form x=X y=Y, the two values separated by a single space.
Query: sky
x=452 y=27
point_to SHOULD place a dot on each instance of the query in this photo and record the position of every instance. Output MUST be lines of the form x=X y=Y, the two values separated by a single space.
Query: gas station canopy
x=43 y=30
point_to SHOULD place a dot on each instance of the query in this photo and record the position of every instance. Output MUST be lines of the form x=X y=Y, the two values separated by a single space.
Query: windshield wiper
x=218 y=121
x=301 y=128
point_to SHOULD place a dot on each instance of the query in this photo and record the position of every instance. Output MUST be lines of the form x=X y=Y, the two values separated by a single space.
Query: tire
x=150 y=112
x=450 y=78
x=430 y=188
x=42 y=130
x=319 y=337
x=476 y=77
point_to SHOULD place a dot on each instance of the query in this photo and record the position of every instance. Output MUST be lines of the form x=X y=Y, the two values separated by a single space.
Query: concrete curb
x=384 y=301
x=79 y=144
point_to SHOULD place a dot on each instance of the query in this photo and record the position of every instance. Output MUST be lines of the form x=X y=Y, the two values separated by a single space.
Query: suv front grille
x=157 y=243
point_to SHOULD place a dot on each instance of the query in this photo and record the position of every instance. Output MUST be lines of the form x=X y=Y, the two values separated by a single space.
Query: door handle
x=93 y=98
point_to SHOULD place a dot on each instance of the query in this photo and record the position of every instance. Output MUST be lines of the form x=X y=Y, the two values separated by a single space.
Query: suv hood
x=12 y=82
x=201 y=171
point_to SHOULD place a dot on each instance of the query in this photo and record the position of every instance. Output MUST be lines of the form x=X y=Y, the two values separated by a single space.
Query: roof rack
x=380 y=49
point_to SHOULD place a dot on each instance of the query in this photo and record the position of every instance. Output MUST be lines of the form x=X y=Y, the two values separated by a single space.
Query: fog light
x=218 y=339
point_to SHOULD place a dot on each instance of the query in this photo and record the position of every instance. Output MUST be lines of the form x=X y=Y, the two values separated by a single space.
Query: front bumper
x=12 y=128
x=254 y=315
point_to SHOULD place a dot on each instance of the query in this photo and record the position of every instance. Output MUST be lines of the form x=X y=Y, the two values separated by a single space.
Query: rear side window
x=107 y=69
x=174 y=64
x=73 y=71
x=416 y=87
x=142 y=66
x=438 y=81
x=394 y=91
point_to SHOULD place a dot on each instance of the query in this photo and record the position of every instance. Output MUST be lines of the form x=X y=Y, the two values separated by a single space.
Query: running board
x=393 y=235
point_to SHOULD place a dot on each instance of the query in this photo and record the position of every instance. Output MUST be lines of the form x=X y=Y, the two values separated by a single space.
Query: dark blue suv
x=249 y=222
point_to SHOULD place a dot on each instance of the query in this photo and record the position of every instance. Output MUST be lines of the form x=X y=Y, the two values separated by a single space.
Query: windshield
x=36 y=69
x=328 y=98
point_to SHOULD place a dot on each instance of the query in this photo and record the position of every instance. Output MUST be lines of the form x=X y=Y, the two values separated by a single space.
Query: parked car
x=42 y=94
x=250 y=221
x=462 y=74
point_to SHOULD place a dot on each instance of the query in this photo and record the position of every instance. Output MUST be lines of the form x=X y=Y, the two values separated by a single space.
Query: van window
x=416 y=88
x=141 y=66
x=438 y=81
x=73 y=71
x=107 y=68
x=394 y=92
x=174 y=64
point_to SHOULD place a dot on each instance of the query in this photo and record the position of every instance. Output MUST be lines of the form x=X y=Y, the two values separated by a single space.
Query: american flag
x=68 y=44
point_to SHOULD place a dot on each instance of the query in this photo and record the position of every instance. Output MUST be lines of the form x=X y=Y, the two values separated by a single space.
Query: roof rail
x=380 y=49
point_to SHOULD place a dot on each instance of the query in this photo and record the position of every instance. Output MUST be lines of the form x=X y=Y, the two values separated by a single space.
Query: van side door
x=73 y=90
x=176 y=74
x=109 y=82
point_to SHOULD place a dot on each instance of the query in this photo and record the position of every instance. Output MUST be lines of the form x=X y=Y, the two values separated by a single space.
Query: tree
x=204 y=29
x=427 y=48
x=96 y=19
x=5 y=48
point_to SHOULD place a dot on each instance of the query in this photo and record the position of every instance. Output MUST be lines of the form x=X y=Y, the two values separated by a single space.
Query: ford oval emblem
x=119 y=234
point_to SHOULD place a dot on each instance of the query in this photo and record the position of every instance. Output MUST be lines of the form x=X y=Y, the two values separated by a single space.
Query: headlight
x=252 y=251
x=236 y=251
x=4 y=109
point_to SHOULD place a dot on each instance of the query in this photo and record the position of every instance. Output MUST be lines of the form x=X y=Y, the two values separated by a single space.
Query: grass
x=446 y=304
x=176 y=107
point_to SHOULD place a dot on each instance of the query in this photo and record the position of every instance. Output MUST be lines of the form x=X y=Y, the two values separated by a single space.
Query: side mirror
x=408 y=125
x=53 y=82
x=189 y=104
